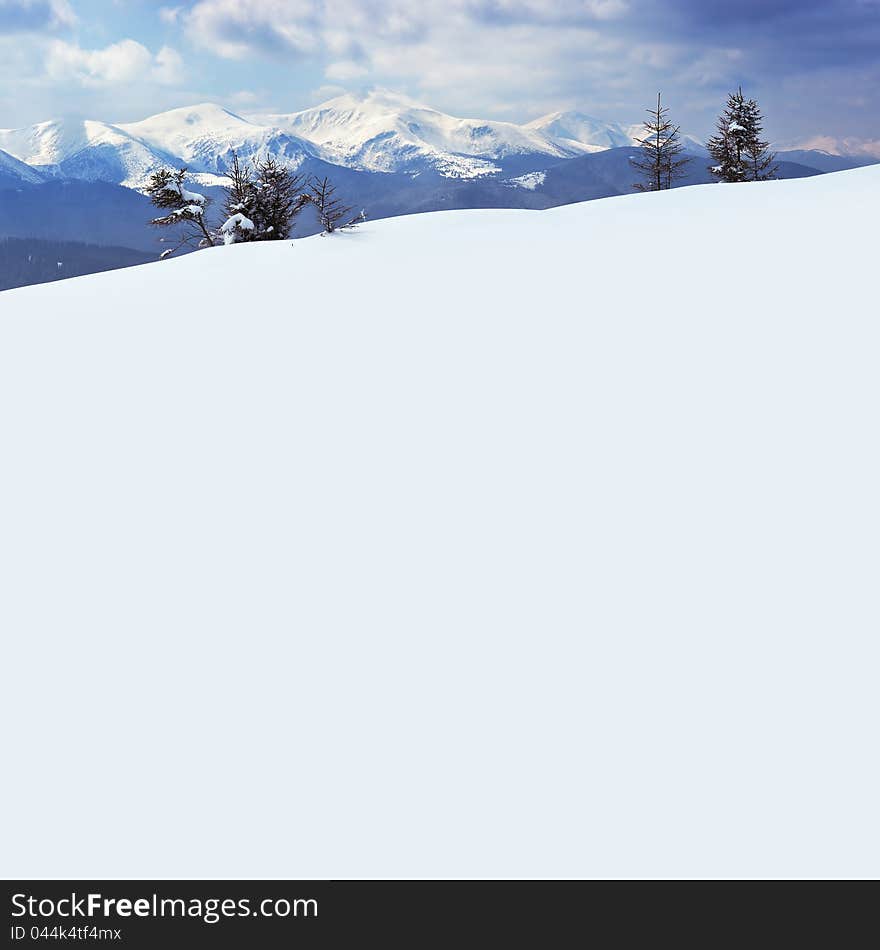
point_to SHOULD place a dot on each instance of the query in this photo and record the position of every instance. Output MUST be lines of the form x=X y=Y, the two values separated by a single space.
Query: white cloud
x=123 y=62
x=244 y=97
x=547 y=11
x=24 y=16
x=489 y=54
x=168 y=68
x=346 y=70
x=237 y=28
x=170 y=15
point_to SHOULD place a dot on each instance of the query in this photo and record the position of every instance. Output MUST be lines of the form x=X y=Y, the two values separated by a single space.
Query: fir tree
x=332 y=213
x=184 y=209
x=760 y=161
x=659 y=160
x=728 y=147
x=279 y=199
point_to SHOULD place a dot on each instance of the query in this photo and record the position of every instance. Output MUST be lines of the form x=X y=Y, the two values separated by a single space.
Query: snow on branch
x=190 y=196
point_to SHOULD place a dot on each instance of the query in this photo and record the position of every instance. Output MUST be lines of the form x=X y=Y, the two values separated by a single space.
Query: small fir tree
x=332 y=213
x=660 y=158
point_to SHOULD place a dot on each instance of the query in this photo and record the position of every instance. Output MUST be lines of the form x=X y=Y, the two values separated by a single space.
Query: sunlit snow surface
x=484 y=543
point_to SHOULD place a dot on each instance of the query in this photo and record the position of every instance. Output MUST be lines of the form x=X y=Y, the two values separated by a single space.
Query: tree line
x=738 y=147
x=261 y=203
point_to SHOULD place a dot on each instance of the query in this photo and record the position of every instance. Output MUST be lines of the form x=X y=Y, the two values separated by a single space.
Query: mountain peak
x=189 y=119
x=575 y=126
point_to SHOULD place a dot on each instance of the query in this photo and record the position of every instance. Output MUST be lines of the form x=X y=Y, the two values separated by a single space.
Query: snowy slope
x=14 y=173
x=46 y=143
x=545 y=547
x=384 y=131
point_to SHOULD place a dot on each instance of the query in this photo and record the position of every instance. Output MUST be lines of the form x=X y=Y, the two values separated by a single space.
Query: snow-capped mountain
x=85 y=150
x=204 y=137
x=591 y=134
x=386 y=132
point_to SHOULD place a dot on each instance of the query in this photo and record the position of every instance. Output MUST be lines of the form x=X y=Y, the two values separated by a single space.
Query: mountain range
x=378 y=132
x=66 y=180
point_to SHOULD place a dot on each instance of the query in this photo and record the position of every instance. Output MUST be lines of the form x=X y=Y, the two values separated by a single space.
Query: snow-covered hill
x=496 y=543
x=384 y=131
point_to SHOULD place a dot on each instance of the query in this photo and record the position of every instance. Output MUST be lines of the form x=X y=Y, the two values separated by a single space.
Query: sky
x=814 y=65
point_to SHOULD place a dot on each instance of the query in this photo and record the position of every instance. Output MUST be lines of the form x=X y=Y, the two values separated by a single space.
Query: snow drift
x=469 y=544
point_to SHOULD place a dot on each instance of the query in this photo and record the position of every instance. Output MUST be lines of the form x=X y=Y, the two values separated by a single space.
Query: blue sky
x=813 y=64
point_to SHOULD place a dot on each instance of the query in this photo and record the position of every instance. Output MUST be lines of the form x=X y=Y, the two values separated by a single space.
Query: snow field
x=472 y=544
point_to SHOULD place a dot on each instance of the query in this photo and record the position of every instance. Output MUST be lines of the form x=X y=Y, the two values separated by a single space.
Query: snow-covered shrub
x=237 y=228
x=263 y=199
x=184 y=208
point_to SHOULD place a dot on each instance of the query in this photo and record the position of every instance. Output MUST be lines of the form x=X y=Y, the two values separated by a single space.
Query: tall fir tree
x=736 y=137
x=660 y=159
x=760 y=161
